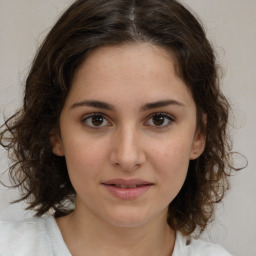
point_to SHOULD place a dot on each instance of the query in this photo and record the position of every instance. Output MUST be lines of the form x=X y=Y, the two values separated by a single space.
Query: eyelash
x=167 y=117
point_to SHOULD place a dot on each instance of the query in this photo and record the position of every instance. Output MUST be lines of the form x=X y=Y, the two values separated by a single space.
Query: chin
x=129 y=220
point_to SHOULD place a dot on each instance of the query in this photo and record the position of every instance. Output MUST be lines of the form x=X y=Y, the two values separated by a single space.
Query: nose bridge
x=128 y=152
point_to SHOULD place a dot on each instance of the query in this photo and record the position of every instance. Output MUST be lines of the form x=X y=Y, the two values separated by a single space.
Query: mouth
x=127 y=189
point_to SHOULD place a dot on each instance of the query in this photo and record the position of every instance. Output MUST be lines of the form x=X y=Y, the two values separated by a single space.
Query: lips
x=127 y=189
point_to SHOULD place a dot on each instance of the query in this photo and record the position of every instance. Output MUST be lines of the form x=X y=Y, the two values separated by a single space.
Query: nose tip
x=127 y=153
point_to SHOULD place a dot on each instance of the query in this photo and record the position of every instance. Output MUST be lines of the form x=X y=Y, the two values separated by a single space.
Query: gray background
x=230 y=25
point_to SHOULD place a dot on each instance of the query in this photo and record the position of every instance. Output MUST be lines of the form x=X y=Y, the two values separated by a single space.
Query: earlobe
x=57 y=147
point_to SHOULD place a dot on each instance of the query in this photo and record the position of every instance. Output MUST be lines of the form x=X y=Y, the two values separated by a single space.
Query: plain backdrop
x=230 y=25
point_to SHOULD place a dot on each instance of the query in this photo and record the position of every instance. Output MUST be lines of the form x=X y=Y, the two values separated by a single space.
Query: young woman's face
x=128 y=132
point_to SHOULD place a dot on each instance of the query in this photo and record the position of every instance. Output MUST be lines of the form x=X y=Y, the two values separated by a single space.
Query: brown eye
x=95 y=121
x=160 y=120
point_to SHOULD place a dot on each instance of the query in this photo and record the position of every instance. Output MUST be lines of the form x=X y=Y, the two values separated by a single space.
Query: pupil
x=158 y=120
x=97 y=120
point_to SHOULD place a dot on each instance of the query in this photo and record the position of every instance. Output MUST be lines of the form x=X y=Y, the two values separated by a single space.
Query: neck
x=95 y=237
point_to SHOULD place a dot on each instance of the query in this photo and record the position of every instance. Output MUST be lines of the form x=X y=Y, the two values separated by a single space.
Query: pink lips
x=127 y=189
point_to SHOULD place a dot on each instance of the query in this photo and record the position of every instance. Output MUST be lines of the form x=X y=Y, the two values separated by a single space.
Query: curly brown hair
x=89 y=24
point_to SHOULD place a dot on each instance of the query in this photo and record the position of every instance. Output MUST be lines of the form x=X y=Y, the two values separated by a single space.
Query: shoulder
x=24 y=237
x=197 y=247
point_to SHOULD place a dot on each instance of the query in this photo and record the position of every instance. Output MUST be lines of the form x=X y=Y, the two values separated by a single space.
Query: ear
x=198 y=145
x=57 y=147
x=199 y=140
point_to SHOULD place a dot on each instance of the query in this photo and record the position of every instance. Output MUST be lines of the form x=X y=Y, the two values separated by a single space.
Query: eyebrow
x=161 y=103
x=94 y=104
x=107 y=106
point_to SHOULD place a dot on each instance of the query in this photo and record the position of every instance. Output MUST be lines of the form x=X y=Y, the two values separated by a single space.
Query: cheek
x=174 y=151
x=171 y=160
x=84 y=165
x=84 y=160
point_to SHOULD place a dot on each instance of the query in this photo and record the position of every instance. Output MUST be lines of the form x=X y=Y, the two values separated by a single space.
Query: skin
x=127 y=142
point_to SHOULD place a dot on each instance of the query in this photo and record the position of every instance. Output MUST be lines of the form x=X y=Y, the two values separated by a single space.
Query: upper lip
x=126 y=182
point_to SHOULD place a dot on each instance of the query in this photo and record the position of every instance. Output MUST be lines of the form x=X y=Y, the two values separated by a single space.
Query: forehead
x=134 y=71
x=150 y=57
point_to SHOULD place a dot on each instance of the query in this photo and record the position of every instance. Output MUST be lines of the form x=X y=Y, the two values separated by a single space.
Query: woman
x=123 y=118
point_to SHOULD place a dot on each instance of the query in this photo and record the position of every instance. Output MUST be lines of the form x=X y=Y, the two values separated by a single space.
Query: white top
x=42 y=237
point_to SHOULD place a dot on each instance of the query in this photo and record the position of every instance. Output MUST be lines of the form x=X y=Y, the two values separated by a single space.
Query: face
x=128 y=132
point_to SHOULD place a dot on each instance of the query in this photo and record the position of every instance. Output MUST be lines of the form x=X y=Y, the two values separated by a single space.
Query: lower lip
x=127 y=193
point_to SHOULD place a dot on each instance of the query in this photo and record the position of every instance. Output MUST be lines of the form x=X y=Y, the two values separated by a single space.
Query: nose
x=127 y=152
